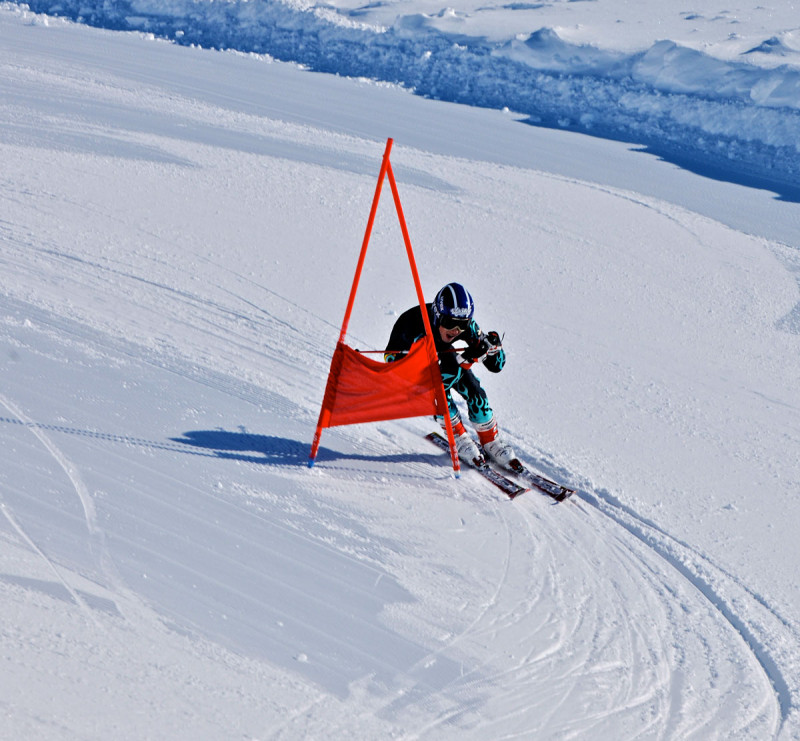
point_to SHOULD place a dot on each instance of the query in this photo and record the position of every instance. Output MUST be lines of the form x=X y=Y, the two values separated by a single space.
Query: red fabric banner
x=363 y=390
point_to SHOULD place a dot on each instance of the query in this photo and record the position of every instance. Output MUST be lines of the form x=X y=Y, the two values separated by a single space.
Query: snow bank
x=677 y=100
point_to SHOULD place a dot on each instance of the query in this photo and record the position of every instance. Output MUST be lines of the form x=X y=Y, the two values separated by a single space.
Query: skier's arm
x=486 y=349
x=495 y=355
x=396 y=348
x=404 y=333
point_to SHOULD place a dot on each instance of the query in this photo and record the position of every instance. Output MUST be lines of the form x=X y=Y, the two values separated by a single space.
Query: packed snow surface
x=179 y=229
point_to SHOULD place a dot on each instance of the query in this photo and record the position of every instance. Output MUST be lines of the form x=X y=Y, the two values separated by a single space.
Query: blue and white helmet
x=453 y=306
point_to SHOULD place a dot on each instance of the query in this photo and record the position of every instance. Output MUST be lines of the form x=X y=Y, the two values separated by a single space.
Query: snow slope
x=179 y=231
x=714 y=84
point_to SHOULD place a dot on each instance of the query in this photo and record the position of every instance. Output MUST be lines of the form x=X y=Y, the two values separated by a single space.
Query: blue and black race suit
x=410 y=327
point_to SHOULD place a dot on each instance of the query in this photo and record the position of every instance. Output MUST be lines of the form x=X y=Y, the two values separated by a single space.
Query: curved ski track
x=592 y=601
x=588 y=609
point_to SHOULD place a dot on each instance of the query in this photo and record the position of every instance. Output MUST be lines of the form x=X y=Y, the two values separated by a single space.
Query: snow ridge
x=678 y=101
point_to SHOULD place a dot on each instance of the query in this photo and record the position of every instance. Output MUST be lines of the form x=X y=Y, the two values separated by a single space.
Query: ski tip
x=311 y=462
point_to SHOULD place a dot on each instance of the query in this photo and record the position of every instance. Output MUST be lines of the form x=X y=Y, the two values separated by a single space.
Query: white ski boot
x=500 y=452
x=494 y=447
x=466 y=447
x=468 y=450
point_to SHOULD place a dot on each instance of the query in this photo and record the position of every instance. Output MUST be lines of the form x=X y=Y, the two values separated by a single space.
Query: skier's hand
x=477 y=353
x=495 y=343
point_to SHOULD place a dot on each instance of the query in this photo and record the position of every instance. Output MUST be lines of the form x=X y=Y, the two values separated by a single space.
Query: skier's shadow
x=282 y=451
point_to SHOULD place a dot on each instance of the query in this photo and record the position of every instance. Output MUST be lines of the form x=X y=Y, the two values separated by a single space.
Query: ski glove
x=489 y=345
x=495 y=343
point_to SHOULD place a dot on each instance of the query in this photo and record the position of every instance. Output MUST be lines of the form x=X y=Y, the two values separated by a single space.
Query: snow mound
x=678 y=100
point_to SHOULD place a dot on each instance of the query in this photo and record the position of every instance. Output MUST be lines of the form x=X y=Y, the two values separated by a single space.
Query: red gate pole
x=324 y=413
x=433 y=356
x=385 y=166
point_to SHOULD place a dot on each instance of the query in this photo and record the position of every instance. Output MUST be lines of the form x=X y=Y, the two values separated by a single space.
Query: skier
x=450 y=317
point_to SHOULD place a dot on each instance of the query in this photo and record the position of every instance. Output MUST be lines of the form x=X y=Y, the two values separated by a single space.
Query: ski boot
x=466 y=448
x=493 y=445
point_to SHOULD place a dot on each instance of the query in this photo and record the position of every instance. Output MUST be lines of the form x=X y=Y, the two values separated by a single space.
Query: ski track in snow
x=636 y=673
x=578 y=620
x=541 y=641
x=72 y=592
x=748 y=614
x=69 y=469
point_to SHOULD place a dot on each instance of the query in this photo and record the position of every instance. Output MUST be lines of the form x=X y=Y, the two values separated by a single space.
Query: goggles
x=450 y=323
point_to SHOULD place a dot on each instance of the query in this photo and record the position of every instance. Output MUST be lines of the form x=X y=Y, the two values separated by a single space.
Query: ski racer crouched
x=450 y=317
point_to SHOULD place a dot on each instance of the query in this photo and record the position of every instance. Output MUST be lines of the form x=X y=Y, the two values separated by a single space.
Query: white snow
x=717 y=84
x=179 y=228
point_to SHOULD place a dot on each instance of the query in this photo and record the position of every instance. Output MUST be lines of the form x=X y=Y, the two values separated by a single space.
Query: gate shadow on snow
x=274 y=450
x=239 y=446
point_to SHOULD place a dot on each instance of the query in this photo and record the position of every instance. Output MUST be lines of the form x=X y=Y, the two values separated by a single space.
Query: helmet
x=453 y=305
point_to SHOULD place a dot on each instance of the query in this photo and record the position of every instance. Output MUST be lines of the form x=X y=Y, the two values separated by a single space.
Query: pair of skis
x=511 y=488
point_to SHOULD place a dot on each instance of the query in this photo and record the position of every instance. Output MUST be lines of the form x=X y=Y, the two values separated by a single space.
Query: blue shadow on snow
x=273 y=450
